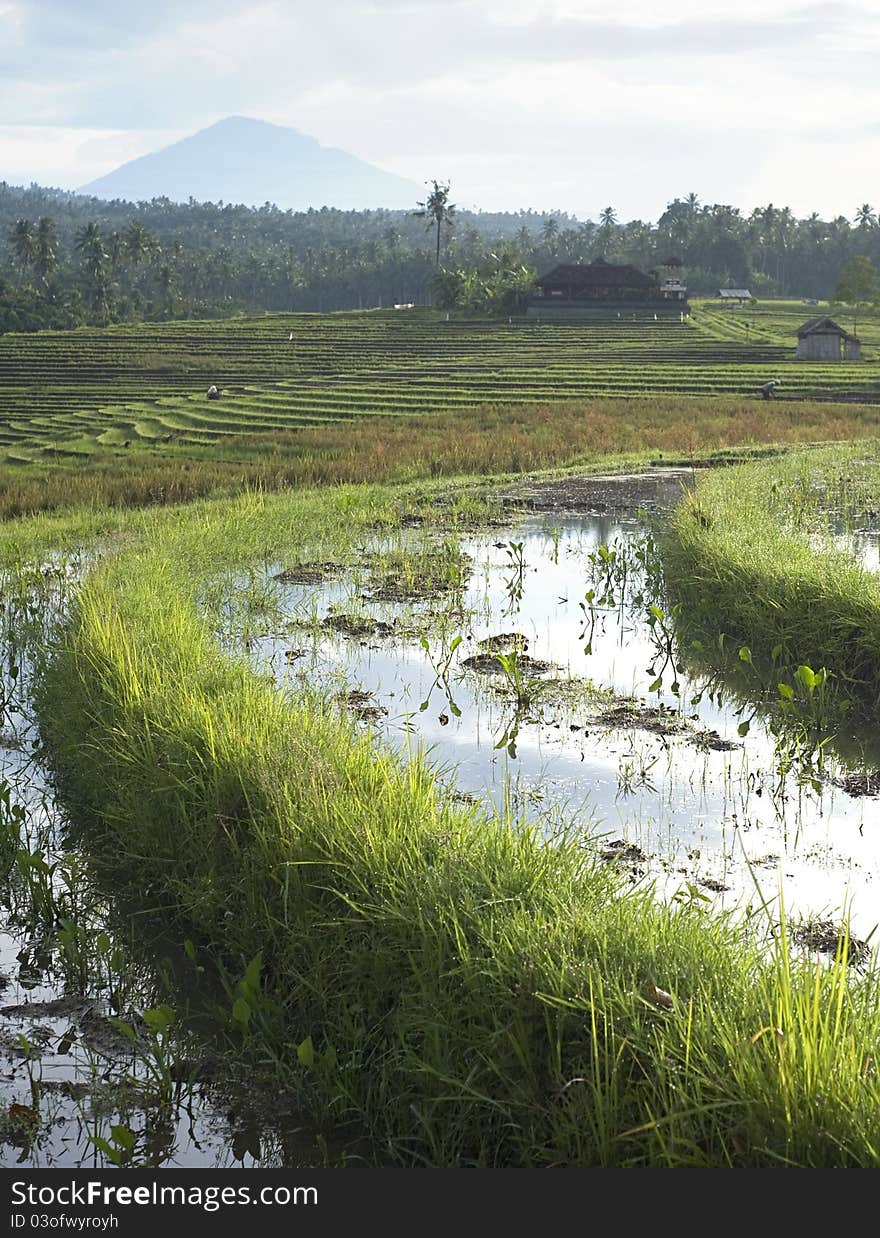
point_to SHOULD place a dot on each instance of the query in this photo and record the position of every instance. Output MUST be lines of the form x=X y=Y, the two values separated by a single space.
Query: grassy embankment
x=750 y=553
x=473 y=994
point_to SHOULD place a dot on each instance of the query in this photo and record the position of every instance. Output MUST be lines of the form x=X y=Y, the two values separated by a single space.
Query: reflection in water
x=599 y=737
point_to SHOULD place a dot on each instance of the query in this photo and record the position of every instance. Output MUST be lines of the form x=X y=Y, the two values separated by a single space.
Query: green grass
x=457 y=989
x=750 y=555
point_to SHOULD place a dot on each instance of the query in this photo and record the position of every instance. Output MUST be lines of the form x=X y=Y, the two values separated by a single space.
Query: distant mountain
x=252 y=162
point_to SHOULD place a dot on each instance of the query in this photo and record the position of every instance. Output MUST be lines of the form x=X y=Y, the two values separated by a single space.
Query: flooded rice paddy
x=544 y=686
x=534 y=662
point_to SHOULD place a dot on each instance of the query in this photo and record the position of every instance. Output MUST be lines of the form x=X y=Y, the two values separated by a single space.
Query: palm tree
x=45 y=248
x=607 y=223
x=437 y=210
x=23 y=239
x=116 y=249
x=89 y=242
x=865 y=216
x=550 y=235
x=139 y=242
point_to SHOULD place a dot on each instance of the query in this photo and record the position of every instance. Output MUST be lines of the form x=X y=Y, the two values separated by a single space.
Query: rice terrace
x=422 y=755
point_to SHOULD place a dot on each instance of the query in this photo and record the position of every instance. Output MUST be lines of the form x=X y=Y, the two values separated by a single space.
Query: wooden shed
x=822 y=339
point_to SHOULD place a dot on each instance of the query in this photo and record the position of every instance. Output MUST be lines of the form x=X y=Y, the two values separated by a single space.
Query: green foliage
x=750 y=554
x=858 y=286
x=160 y=259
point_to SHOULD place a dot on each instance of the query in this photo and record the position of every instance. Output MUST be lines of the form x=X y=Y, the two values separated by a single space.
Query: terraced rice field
x=81 y=392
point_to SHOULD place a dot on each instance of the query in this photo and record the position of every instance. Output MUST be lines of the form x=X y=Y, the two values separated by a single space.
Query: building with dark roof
x=573 y=288
x=600 y=280
x=822 y=339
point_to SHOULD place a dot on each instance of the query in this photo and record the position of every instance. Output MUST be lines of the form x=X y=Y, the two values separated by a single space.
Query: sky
x=570 y=105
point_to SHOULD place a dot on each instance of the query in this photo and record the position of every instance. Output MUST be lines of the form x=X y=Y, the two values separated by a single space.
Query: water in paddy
x=74 y=1091
x=668 y=786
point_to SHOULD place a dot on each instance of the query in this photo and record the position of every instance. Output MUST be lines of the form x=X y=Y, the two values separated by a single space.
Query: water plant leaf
x=305 y=1052
x=743 y=728
x=250 y=981
x=241 y=1011
x=122 y=1136
x=159 y=1018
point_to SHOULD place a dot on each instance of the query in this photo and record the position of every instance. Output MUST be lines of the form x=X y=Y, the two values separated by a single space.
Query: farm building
x=737 y=296
x=579 y=287
x=821 y=339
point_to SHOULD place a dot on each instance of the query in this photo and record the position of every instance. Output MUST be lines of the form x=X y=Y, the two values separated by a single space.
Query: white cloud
x=568 y=104
x=64 y=157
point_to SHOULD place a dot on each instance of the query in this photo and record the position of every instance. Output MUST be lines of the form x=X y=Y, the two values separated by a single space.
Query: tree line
x=67 y=259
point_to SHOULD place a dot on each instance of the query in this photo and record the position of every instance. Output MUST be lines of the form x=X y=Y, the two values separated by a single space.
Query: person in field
x=768 y=391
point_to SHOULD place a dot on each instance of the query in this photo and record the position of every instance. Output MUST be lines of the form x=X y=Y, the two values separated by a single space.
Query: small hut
x=734 y=296
x=822 y=339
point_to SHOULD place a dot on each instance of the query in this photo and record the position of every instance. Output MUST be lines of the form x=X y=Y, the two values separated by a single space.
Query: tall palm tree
x=436 y=210
x=23 y=238
x=45 y=248
x=607 y=224
x=550 y=235
x=89 y=243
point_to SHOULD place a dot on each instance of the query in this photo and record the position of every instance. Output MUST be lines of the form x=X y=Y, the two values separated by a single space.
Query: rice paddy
x=89 y=391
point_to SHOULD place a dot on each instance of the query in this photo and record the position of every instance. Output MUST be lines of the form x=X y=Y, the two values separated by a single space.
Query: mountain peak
x=243 y=160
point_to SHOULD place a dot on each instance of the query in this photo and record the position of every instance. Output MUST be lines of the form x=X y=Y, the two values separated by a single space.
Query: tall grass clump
x=752 y=554
x=451 y=986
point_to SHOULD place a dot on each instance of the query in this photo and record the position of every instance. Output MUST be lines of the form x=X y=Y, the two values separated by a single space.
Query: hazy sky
x=560 y=105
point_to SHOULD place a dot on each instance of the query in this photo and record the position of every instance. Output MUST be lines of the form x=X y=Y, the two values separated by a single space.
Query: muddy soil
x=658 y=489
